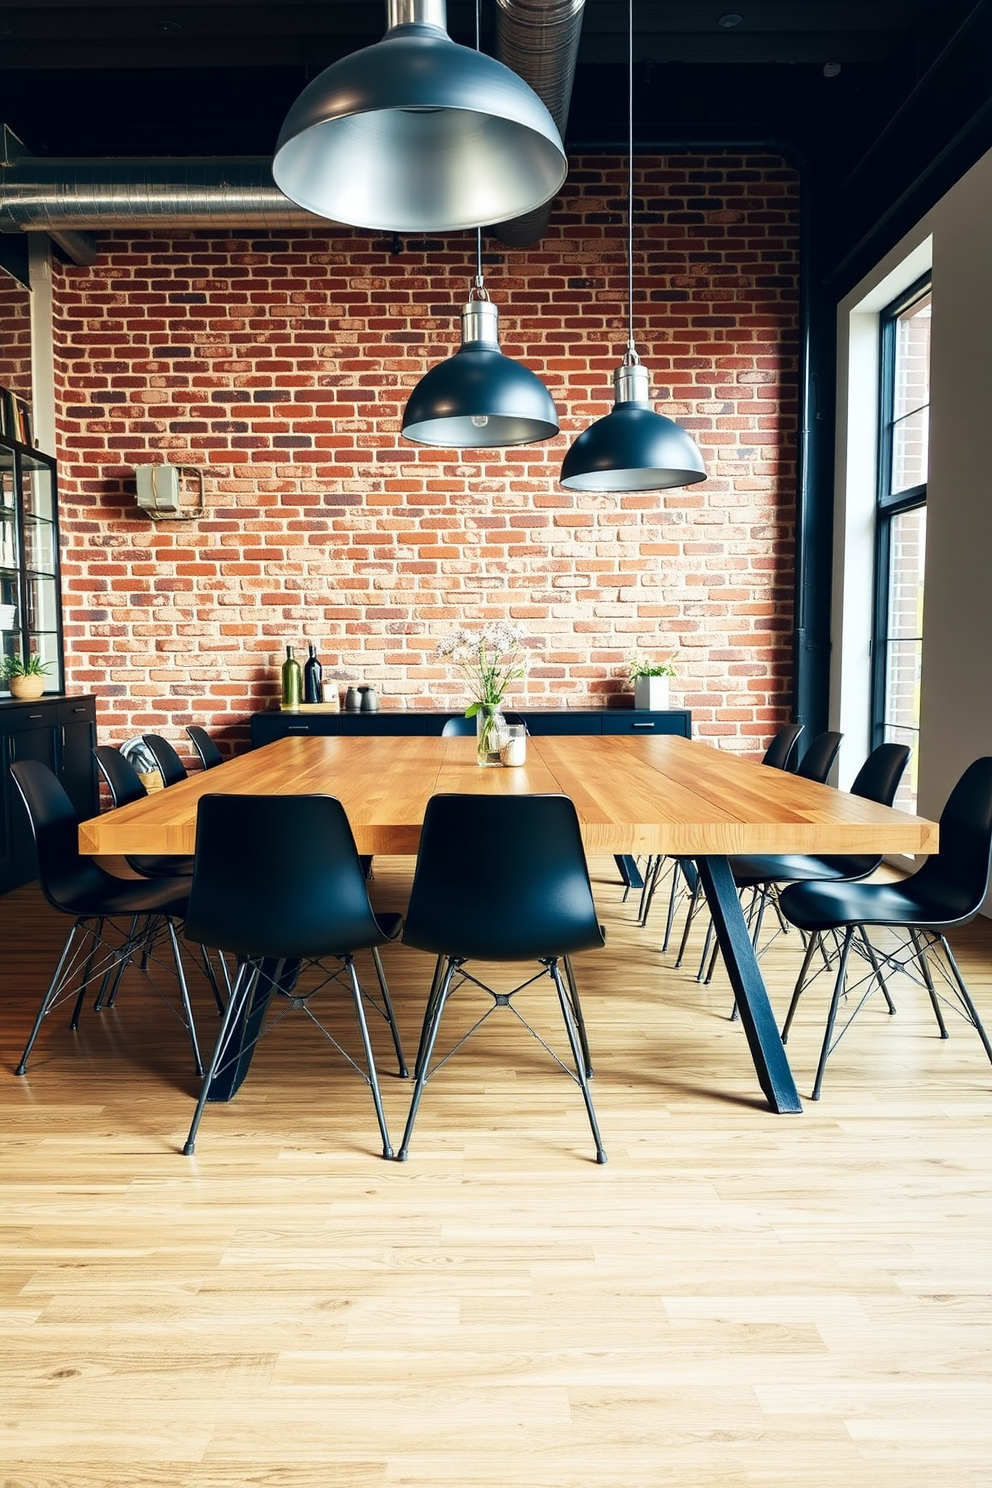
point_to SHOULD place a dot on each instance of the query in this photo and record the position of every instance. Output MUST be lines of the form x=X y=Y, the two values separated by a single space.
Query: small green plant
x=639 y=667
x=13 y=666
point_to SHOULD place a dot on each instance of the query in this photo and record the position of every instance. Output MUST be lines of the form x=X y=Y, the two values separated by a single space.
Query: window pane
x=902 y=684
x=906 y=795
x=910 y=450
x=912 y=359
x=907 y=553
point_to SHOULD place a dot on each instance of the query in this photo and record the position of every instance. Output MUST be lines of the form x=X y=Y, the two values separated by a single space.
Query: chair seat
x=762 y=868
x=110 y=896
x=823 y=906
x=518 y=942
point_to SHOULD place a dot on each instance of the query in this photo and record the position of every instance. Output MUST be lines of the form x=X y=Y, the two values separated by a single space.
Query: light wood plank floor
x=736 y=1299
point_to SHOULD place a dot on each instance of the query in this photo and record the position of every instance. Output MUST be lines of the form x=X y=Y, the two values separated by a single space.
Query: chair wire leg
x=95 y=934
x=48 y=1001
x=111 y=982
x=580 y=1021
x=832 y=1014
x=966 y=999
x=695 y=901
x=429 y=1012
x=184 y=994
x=578 y=1054
x=363 y=1026
x=651 y=876
x=677 y=872
x=922 y=961
x=244 y=982
x=211 y=976
x=869 y=950
x=800 y=986
x=432 y=1022
x=390 y=1015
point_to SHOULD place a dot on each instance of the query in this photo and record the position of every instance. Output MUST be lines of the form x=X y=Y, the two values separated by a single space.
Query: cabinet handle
x=79 y=710
x=33 y=716
x=297 y=728
x=642 y=725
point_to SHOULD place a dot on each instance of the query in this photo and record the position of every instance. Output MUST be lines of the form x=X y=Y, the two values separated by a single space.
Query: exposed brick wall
x=280 y=365
x=15 y=336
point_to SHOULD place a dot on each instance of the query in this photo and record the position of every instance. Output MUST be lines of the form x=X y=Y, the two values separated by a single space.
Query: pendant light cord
x=478 y=289
x=631 y=357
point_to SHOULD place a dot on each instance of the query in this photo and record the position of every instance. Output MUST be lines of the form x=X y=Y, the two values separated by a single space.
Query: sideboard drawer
x=640 y=721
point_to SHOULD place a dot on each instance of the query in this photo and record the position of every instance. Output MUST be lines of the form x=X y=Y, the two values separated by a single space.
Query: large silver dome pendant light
x=632 y=448
x=418 y=134
x=479 y=398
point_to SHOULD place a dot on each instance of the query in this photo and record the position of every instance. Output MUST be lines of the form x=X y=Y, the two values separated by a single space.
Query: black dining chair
x=456 y=727
x=781 y=752
x=760 y=877
x=763 y=873
x=779 y=755
x=170 y=766
x=524 y=896
x=818 y=760
x=462 y=726
x=210 y=755
x=277 y=883
x=126 y=786
x=78 y=886
x=948 y=891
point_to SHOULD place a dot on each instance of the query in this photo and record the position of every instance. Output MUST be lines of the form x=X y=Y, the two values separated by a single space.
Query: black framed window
x=901 y=526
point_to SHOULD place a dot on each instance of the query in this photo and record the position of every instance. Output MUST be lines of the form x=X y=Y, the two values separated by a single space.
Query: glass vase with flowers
x=490 y=659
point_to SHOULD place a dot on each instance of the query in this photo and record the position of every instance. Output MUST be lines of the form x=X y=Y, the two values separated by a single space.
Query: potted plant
x=26 y=679
x=650 y=679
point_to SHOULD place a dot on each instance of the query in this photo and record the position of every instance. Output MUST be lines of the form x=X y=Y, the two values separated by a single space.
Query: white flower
x=490 y=659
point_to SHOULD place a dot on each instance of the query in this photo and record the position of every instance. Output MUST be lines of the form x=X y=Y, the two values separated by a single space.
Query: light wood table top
x=633 y=795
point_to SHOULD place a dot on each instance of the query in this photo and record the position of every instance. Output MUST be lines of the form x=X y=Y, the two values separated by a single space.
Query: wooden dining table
x=633 y=796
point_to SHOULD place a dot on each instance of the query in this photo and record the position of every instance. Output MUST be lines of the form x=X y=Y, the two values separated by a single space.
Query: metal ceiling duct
x=539 y=40
x=67 y=197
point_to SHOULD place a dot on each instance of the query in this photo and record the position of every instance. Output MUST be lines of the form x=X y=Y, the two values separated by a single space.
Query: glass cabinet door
x=30 y=602
x=10 y=624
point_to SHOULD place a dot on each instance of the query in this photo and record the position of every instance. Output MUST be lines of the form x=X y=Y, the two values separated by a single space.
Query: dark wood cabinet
x=61 y=732
x=274 y=724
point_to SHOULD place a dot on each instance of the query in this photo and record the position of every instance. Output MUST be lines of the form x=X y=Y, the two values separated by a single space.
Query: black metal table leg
x=764 y=1039
x=630 y=874
x=240 y=1046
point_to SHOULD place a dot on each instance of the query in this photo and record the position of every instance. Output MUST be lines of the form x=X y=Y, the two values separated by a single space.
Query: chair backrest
x=879 y=776
x=278 y=876
x=121 y=776
x=958 y=875
x=501 y=878
x=817 y=762
x=64 y=873
x=170 y=765
x=210 y=755
x=782 y=748
x=462 y=725
x=456 y=726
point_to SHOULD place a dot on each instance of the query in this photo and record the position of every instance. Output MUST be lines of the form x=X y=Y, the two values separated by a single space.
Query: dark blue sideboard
x=276 y=724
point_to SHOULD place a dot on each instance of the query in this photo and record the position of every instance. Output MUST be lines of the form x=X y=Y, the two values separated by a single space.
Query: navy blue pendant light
x=632 y=448
x=479 y=398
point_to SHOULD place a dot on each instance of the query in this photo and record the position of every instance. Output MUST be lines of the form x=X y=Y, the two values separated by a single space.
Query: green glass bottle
x=292 y=681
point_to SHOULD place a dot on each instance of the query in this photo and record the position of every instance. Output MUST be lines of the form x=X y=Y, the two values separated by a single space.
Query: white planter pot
x=651 y=693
